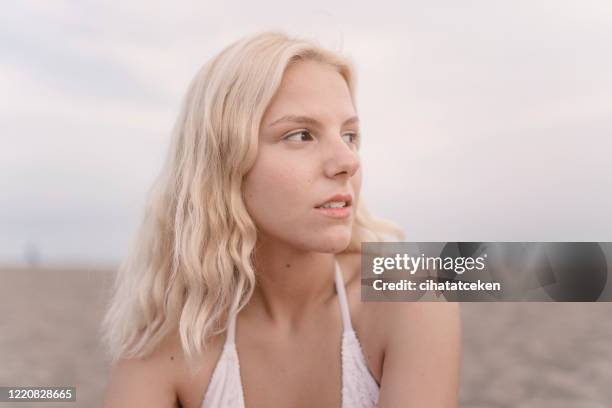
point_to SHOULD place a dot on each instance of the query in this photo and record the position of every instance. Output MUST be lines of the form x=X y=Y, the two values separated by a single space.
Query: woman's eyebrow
x=309 y=121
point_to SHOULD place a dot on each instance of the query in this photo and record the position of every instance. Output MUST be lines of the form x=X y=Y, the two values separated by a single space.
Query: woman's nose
x=341 y=157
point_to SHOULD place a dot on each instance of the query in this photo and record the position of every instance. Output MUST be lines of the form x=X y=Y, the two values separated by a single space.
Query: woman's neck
x=291 y=282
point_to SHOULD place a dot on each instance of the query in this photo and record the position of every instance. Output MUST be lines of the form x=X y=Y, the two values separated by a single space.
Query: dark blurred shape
x=580 y=269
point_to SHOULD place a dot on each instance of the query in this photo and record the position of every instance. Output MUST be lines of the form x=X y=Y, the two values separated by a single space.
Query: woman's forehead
x=310 y=89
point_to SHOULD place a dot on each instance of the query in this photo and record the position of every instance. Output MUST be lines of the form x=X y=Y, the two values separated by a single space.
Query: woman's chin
x=334 y=241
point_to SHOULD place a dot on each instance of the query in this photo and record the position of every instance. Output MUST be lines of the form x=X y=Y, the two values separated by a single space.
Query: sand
x=515 y=354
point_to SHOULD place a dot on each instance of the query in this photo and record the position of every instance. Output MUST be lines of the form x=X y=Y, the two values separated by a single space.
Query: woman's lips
x=346 y=198
x=342 y=212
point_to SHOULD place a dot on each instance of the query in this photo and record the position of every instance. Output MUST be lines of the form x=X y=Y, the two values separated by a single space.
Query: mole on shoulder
x=288 y=265
x=171 y=357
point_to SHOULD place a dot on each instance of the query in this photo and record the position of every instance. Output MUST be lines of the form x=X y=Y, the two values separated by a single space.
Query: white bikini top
x=359 y=389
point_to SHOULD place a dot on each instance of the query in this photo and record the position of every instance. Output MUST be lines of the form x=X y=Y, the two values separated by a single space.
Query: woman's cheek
x=278 y=188
x=290 y=176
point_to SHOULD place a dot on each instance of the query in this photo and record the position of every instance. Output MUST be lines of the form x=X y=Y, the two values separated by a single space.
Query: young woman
x=243 y=286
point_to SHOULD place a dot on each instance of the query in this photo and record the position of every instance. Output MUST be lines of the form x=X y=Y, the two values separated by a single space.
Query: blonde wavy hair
x=190 y=260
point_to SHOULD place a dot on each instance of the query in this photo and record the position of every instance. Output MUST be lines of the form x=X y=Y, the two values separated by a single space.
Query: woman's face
x=308 y=153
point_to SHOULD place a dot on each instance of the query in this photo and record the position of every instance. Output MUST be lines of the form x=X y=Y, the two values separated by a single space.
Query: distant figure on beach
x=31 y=254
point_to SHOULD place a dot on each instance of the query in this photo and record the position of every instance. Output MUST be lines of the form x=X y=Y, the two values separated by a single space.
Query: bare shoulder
x=392 y=318
x=395 y=319
x=419 y=344
x=149 y=381
x=409 y=321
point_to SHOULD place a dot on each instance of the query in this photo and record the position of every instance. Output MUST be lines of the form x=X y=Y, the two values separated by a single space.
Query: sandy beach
x=515 y=355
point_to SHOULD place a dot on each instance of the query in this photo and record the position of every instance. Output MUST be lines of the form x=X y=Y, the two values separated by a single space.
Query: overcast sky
x=482 y=120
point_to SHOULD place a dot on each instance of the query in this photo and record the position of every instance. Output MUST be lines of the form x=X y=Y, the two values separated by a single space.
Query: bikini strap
x=344 y=308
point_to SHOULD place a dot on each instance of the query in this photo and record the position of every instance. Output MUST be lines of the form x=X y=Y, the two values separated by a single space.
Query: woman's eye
x=301 y=136
x=351 y=137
